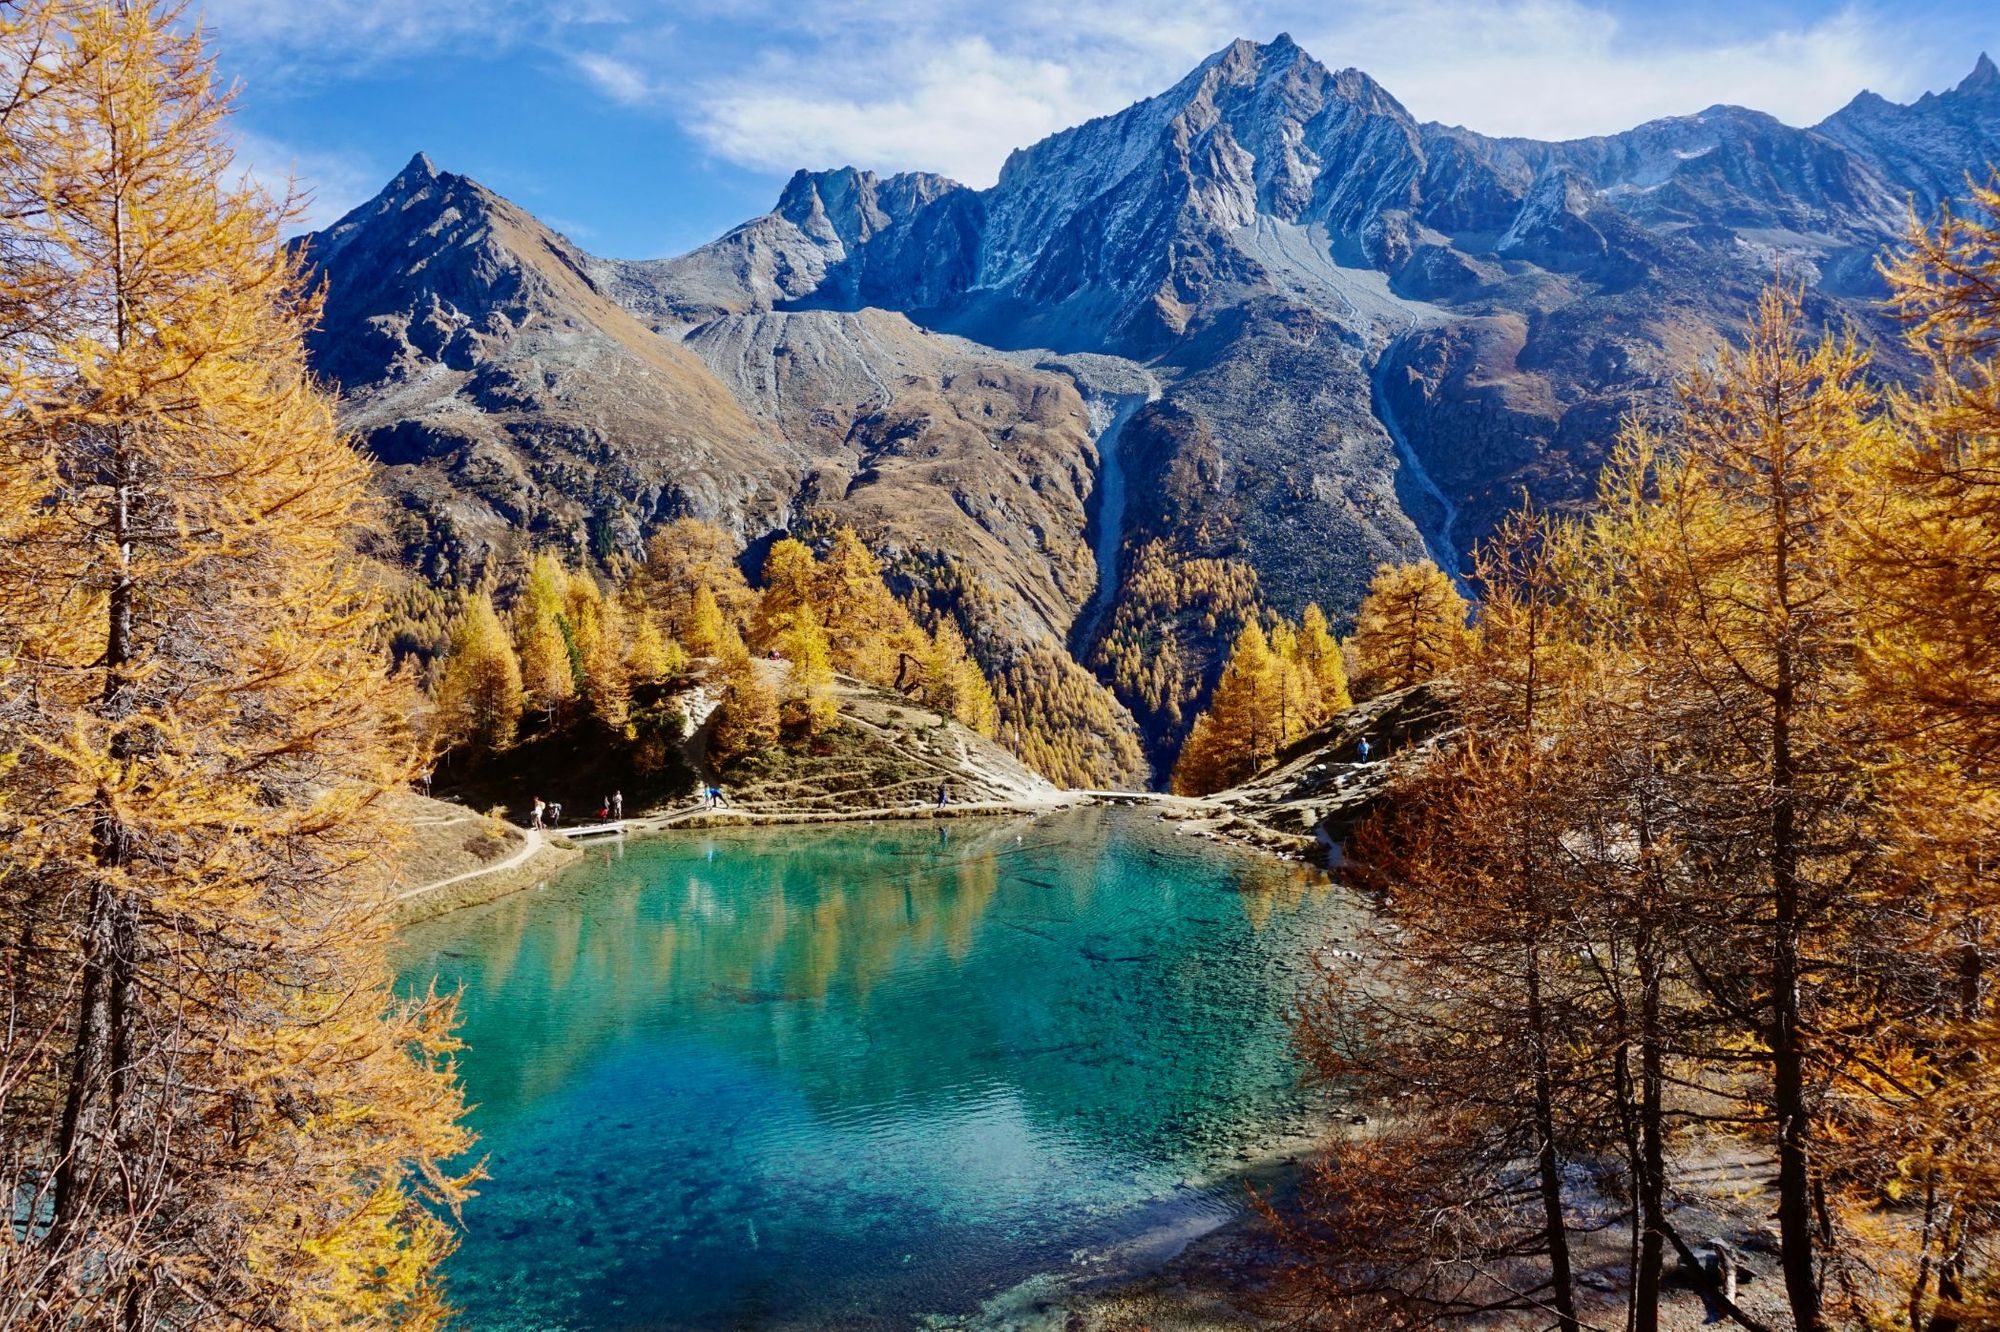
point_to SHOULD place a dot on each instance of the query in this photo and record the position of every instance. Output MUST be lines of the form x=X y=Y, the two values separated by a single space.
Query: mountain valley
x=1327 y=335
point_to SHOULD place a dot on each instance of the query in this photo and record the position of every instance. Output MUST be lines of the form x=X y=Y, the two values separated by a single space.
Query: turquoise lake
x=860 y=1076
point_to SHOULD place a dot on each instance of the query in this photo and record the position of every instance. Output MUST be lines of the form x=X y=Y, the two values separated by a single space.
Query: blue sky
x=644 y=127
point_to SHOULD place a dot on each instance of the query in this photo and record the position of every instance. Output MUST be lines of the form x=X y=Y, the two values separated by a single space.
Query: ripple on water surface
x=850 y=1076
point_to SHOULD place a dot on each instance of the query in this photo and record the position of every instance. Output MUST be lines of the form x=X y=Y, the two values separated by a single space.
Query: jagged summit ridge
x=1354 y=328
x=1117 y=234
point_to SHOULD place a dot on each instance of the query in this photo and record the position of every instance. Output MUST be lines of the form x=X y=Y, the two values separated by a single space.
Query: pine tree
x=1410 y=627
x=547 y=673
x=218 y=1114
x=479 y=689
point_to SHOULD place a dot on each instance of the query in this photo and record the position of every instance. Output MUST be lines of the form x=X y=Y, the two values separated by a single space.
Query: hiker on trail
x=535 y=819
x=718 y=795
x=618 y=805
x=708 y=796
x=1365 y=749
x=944 y=792
x=555 y=814
x=604 y=811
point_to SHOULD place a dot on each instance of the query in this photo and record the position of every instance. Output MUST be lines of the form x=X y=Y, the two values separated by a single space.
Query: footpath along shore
x=542 y=852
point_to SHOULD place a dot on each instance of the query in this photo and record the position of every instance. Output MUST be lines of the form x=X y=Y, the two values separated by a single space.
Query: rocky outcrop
x=1927 y=147
x=1311 y=801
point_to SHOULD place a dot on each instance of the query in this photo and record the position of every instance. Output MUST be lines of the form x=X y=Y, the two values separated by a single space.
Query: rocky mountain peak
x=405 y=188
x=1984 y=78
x=1923 y=150
x=430 y=266
x=852 y=206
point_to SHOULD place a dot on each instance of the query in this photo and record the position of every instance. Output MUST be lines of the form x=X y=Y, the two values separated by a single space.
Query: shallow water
x=851 y=1076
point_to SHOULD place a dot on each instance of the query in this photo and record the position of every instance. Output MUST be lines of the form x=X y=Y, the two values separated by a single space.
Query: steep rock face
x=1118 y=234
x=509 y=400
x=1297 y=262
x=1926 y=148
x=933 y=445
x=513 y=400
x=1726 y=166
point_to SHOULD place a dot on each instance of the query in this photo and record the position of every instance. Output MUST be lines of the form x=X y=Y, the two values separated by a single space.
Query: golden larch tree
x=952 y=682
x=218 y=1114
x=684 y=557
x=1239 y=732
x=1749 y=611
x=708 y=632
x=809 y=702
x=548 y=670
x=870 y=632
x=790 y=578
x=652 y=656
x=1320 y=654
x=1411 y=627
x=479 y=688
x=1924 y=543
x=747 y=721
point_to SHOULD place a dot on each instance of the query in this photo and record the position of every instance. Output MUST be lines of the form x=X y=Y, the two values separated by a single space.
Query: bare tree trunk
x=1951 y=1259
x=100 y=1065
x=1788 y=1094
x=1652 y=1146
x=1548 y=1162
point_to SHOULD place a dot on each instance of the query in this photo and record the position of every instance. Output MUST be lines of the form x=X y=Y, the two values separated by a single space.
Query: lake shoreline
x=1257 y=1129
x=1187 y=1262
x=503 y=877
x=1214 y=1273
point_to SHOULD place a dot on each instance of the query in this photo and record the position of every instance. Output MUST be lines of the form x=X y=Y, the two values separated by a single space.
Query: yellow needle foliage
x=1925 y=548
x=748 y=720
x=479 y=689
x=1411 y=627
x=684 y=559
x=1274 y=689
x=809 y=701
x=790 y=576
x=217 y=1114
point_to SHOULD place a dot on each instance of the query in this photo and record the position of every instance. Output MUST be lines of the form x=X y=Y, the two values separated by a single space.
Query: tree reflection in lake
x=854 y=1074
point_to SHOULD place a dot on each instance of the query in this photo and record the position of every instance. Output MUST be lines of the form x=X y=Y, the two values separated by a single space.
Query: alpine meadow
x=1283 y=716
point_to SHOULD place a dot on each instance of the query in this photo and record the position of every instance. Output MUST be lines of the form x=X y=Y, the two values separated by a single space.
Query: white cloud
x=330 y=184
x=868 y=82
x=958 y=110
x=1563 y=69
x=617 y=79
x=339 y=30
